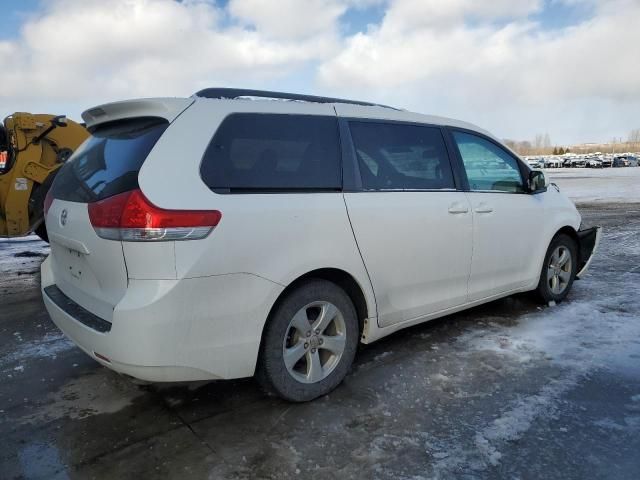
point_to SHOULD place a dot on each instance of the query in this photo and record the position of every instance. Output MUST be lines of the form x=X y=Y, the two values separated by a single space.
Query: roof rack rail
x=231 y=93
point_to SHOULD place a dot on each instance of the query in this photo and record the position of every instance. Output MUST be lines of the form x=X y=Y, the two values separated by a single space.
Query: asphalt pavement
x=510 y=389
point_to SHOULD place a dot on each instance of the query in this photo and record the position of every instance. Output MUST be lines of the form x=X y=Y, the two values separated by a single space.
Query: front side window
x=263 y=152
x=401 y=157
x=488 y=166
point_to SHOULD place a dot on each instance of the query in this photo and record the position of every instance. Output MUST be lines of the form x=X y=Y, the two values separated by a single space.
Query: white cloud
x=97 y=50
x=406 y=15
x=487 y=70
x=599 y=57
x=289 y=18
x=487 y=62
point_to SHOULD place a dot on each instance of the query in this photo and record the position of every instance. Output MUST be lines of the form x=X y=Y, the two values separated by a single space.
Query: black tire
x=544 y=291
x=36 y=205
x=271 y=371
x=41 y=231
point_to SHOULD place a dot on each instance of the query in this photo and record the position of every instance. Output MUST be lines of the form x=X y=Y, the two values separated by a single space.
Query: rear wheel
x=558 y=270
x=309 y=342
x=36 y=205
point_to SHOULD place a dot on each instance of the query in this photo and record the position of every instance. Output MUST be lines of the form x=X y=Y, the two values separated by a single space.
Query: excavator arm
x=35 y=146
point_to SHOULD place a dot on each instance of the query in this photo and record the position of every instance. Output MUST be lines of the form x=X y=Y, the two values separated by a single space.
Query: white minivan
x=242 y=232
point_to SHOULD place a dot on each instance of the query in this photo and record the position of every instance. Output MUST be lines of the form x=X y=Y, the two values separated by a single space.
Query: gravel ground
x=506 y=390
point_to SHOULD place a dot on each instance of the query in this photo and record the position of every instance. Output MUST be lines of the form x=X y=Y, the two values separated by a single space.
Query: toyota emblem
x=63 y=217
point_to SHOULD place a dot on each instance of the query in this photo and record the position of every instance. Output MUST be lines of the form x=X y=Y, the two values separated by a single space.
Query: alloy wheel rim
x=559 y=270
x=314 y=342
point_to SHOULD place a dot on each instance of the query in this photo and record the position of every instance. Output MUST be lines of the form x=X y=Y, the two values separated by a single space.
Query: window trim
x=277 y=190
x=522 y=168
x=349 y=155
x=351 y=176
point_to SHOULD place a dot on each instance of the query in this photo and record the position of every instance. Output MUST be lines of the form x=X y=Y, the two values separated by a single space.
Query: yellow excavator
x=32 y=149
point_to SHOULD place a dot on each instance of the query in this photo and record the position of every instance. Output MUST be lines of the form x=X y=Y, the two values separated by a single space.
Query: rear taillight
x=131 y=217
x=48 y=200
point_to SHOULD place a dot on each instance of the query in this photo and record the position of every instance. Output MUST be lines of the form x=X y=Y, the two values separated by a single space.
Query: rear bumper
x=174 y=330
x=82 y=315
x=588 y=240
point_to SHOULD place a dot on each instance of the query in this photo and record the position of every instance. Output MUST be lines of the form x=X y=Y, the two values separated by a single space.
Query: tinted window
x=488 y=166
x=273 y=152
x=406 y=157
x=108 y=162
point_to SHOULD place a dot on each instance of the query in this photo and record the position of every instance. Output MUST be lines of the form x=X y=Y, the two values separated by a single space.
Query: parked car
x=552 y=162
x=536 y=162
x=578 y=162
x=621 y=161
x=594 y=163
x=225 y=235
x=633 y=160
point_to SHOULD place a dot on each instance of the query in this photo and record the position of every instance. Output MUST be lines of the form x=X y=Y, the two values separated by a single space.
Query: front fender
x=560 y=213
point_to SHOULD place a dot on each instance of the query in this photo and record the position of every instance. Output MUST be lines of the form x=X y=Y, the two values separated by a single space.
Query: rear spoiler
x=167 y=108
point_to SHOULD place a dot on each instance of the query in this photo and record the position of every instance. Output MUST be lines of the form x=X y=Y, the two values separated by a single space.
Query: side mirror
x=537 y=182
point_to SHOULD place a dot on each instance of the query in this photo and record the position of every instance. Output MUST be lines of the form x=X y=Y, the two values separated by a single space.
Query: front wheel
x=558 y=270
x=309 y=342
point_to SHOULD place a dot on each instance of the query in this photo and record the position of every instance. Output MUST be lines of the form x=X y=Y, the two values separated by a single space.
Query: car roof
x=170 y=108
x=381 y=113
x=343 y=107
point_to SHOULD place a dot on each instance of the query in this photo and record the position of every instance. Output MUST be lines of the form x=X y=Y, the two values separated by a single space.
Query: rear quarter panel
x=277 y=236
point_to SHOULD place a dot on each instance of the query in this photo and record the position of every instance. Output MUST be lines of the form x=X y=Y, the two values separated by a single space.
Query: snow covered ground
x=20 y=260
x=598 y=185
x=22 y=254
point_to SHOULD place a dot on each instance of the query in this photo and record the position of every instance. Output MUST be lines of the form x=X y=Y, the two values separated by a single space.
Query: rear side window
x=109 y=161
x=401 y=157
x=273 y=152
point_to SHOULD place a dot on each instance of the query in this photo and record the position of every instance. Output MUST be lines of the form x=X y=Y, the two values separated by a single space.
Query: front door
x=506 y=219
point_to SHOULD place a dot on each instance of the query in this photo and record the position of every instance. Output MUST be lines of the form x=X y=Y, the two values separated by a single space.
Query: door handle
x=458 y=208
x=483 y=208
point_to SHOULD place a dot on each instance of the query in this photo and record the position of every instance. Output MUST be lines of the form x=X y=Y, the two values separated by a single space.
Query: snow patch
x=609 y=424
x=49 y=346
x=586 y=185
x=597 y=330
x=22 y=254
x=382 y=355
x=517 y=420
x=588 y=333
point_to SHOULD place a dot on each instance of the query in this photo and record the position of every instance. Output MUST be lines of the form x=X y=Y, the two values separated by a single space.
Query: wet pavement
x=506 y=390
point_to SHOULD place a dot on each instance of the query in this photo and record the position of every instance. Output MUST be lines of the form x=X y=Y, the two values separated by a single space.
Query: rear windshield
x=108 y=162
x=253 y=152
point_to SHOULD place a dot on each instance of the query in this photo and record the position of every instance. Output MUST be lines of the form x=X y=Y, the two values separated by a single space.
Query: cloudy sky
x=516 y=67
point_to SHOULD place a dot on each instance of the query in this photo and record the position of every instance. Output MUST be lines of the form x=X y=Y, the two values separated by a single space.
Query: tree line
x=542 y=145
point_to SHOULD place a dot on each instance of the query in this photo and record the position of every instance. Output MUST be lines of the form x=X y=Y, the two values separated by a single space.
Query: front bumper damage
x=588 y=240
